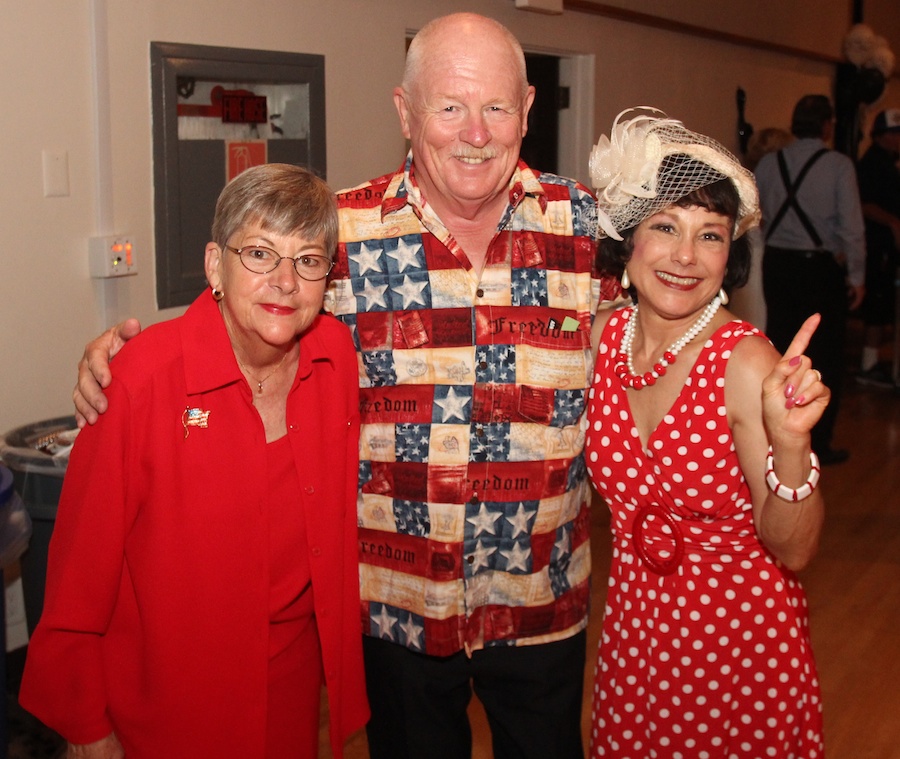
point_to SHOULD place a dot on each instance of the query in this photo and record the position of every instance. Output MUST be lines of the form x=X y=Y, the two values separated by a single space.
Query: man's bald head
x=440 y=38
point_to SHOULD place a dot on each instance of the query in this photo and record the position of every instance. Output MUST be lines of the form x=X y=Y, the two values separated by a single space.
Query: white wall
x=50 y=306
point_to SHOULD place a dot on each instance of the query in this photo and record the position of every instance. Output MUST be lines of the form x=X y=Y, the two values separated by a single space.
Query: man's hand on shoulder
x=106 y=748
x=94 y=373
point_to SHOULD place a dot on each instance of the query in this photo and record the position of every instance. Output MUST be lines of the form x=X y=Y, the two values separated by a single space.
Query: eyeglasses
x=261 y=260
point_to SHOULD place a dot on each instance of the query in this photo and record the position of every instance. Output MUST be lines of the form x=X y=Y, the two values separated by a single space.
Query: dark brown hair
x=810 y=116
x=719 y=197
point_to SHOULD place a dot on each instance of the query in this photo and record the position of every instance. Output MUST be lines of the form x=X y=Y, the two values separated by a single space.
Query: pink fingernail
x=789 y=403
x=795 y=360
x=799 y=401
x=789 y=391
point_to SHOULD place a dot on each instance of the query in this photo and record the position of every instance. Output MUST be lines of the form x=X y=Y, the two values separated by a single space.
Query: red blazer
x=156 y=620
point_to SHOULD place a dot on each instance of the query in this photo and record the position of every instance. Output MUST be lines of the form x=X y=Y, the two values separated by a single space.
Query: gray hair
x=281 y=198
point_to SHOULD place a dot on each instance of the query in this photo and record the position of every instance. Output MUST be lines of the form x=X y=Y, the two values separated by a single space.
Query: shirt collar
x=403 y=189
x=209 y=361
x=810 y=143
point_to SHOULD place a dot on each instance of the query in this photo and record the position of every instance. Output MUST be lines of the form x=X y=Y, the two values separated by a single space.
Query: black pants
x=878 y=309
x=531 y=694
x=796 y=285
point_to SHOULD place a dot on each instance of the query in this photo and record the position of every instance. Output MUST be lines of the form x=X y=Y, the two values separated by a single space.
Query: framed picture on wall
x=216 y=112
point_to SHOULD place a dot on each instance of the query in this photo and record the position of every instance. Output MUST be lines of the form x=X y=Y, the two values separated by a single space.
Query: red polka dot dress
x=705 y=646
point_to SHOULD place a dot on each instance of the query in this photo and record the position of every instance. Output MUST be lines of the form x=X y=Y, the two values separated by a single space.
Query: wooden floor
x=854 y=583
x=853 y=587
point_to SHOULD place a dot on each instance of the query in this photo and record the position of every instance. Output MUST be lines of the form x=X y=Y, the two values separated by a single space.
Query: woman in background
x=711 y=482
x=202 y=581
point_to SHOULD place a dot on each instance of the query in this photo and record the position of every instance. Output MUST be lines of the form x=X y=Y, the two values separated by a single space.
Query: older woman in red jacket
x=202 y=582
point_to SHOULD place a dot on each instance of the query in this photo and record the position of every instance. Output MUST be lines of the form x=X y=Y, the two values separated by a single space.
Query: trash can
x=15 y=529
x=38 y=455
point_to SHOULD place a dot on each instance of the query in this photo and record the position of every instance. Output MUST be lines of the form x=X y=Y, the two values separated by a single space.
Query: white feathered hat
x=650 y=162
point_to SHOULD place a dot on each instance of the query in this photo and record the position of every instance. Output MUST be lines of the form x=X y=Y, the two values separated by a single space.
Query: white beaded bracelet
x=790 y=494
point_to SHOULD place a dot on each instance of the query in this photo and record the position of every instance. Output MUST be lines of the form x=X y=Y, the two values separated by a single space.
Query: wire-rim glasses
x=262 y=260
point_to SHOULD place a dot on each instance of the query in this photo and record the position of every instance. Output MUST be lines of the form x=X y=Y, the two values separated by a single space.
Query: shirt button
x=293 y=428
x=309 y=489
x=470 y=559
x=316 y=551
x=479 y=293
x=483 y=365
x=474 y=499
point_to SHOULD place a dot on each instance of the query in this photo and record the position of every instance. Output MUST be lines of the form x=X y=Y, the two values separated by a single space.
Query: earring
x=723 y=296
x=217 y=295
x=626 y=282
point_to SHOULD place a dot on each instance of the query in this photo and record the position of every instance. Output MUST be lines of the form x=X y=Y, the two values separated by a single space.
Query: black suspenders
x=791 y=200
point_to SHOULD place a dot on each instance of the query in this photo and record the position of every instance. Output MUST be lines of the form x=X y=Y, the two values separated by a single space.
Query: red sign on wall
x=240 y=156
x=240 y=107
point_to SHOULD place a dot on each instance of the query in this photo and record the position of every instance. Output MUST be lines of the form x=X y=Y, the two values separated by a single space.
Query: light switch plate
x=56 y=173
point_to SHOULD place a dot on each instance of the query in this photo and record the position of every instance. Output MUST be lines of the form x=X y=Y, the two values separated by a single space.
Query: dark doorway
x=540 y=146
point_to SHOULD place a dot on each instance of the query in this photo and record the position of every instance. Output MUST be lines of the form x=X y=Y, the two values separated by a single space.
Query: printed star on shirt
x=367 y=259
x=379 y=368
x=374 y=295
x=477 y=448
x=484 y=520
x=568 y=407
x=411 y=292
x=516 y=558
x=413 y=632
x=562 y=544
x=452 y=405
x=517 y=290
x=480 y=556
x=526 y=285
x=385 y=622
x=519 y=522
x=405 y=255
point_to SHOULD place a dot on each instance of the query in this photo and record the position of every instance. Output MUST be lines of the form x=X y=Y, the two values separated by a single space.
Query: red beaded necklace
x=624 y=368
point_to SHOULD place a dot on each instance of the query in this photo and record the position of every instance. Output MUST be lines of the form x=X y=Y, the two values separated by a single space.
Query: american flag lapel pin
x=194 y=417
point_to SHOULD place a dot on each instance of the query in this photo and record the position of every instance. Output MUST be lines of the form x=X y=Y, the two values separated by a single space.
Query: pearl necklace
x=625 y=365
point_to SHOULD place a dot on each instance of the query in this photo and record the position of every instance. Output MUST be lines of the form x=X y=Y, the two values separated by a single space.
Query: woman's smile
x=679 y=283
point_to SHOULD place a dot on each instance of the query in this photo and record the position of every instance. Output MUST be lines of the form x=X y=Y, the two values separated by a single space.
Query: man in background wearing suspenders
x=815 y=249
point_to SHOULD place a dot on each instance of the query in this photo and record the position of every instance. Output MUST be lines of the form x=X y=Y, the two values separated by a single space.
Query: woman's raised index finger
x=804 y=335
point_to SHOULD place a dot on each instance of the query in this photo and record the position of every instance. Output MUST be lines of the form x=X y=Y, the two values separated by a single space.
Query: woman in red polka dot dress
x=698 y=439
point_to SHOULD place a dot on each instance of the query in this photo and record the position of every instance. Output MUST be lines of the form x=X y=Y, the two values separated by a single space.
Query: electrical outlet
x=112 y=256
